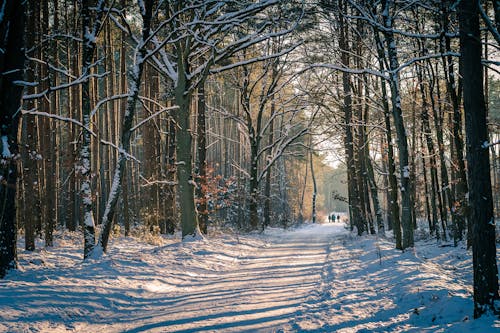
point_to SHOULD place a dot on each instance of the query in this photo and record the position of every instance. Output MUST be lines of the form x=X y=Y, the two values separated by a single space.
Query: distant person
x=338 y=217
x=333 y=218
x=329 y=218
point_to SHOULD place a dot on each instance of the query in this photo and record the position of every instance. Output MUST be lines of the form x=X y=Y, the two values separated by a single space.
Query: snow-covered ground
x=318 y=278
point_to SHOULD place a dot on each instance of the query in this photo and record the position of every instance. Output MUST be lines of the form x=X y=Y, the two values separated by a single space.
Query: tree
x=12 y=68
x=486 y=290
x=200 y=41
x=89 y=34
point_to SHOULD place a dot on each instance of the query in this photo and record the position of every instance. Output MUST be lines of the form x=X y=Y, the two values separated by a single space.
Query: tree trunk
x=29 y=149
x=315 y=187
x=189 y=218
x=480 y=192
x=397 y=114
x=371 y=175
x=431 y=153
x=12 y=67
x=354 y=203
x=47 y=144
x=267 y=189
x=89 y=44
x=201 y=189
x=254 y=183
x=170 y=218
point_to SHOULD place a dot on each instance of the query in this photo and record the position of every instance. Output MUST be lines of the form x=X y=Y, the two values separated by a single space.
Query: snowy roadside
x=317 y=278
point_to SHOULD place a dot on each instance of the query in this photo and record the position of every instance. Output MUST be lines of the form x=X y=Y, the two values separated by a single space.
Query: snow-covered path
x=318 y=278
x=264 y=291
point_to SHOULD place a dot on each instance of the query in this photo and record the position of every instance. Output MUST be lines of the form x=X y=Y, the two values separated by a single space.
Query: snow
x=5 y=147
x=406 y=171
x=317 y=278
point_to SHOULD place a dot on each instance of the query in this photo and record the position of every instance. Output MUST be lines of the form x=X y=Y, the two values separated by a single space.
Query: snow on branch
x=349 y=70
x=79 y=124
x=489 y=24
x=78 y=81
x=175 y=107
x=106 y=100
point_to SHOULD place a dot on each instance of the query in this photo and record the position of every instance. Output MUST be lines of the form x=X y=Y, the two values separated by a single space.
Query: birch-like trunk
x=85 y=153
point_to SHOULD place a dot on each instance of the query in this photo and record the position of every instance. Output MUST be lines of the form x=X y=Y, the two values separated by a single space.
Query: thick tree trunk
x=189 y=216
x=480 y=192
x=29 y=151
x=12 y=67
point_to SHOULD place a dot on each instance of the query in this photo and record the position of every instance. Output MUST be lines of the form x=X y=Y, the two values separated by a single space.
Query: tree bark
x=201 y=189
x=12 y=67
x=89 y=44
x=480 y=191
x=315 y=187
x=354 y=202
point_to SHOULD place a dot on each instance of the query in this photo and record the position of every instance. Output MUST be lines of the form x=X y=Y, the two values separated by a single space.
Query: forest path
x=264 y=292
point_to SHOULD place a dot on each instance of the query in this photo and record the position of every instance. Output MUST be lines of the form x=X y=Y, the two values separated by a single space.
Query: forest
x=199 y=123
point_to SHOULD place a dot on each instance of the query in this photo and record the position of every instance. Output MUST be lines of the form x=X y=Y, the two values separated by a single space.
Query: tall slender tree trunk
x=397 y=114
x=84 y=168
x=315 y=187
x=431 y=152
x=170 y=218
x=486 y=290
x=354 y=203
x=48 y=154
x=254 y=183
x=267 y=189
x=201 y=189
x=369 y=170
